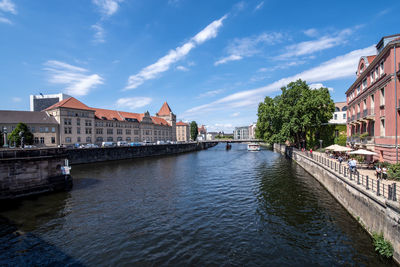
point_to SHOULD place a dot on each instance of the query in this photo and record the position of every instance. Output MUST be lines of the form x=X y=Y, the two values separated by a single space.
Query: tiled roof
x=70 y=102
x=181 y=124
x=107 y=114
x=370 y=59
x=12 y=116
x=164 y=110
x=159 y=121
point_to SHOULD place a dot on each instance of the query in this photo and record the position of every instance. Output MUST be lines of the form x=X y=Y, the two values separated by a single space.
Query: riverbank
x=375 y=208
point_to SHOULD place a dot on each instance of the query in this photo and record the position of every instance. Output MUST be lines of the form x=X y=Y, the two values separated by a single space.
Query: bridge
x=235 y=140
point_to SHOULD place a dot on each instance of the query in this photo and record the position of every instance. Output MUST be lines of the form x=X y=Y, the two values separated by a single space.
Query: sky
x=212 y=61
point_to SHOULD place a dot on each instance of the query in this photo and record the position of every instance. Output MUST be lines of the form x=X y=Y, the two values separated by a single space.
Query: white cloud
x=319 y=85
x=107 y=7
x=217 y=127
x=311 y=32
x=99 y=33
x=248 y=46
x=259 y=6
x=16 y=99
x=310 y=47
x=5 y=20
x=8 y=6
x=336 y=68
x=235 y=114
x=182 y=68
x=210 y=93
x=76 y=79
x=133 y=102
x=164 y=63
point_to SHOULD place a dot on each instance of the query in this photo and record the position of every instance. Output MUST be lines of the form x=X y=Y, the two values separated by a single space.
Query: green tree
x=295 y=115
x=194 y=131
x=14 y=136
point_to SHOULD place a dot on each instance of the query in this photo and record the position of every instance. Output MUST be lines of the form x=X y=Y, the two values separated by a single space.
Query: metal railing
x=358 y=140
x=387 y=191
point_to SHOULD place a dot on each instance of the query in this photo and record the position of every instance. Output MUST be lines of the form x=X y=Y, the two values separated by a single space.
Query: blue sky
x=213 y=61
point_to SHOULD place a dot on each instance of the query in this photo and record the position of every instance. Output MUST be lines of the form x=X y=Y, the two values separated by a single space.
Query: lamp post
x=21 y=135
x=5 y=145
x=320 y=143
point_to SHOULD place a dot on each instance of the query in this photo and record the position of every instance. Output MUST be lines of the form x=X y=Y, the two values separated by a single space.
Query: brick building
x=182 y=132
x=373 y=101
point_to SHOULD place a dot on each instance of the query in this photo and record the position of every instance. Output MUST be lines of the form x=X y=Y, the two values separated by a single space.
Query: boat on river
x=253 y=147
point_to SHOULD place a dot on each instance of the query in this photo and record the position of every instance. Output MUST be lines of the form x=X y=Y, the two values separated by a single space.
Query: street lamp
x=320 y=143
x=5 y=137
x=21 y=134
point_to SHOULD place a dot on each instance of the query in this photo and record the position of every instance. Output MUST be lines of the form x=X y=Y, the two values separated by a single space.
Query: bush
x=394 y=172
x=382 y=246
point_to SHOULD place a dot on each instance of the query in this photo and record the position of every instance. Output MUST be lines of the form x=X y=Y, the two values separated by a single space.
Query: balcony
x=358 y=115
x=368 y=140
x=368 y=114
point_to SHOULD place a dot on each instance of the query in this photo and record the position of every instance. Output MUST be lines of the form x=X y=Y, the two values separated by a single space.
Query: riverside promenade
x=374 y=203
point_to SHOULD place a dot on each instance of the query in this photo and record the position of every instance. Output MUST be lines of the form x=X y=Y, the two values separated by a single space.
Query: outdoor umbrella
x=362 y=152
x=331 y=147
x=338 y=148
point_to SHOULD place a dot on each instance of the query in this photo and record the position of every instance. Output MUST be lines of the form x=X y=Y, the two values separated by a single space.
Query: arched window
x=344 y=108
x=337 y=109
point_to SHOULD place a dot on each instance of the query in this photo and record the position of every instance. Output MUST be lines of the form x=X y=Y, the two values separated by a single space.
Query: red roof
x=181 y=124
x=70 y=102
x=370 y=59
x=159 y=121
x=164 y=110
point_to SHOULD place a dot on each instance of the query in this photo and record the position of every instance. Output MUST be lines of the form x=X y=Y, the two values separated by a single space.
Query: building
x=79 y=123
x=182 y=132
x=41 y=102
x=373 y=101
x=241 y=133
x=252 y=130
x=202 y=133
x=45 y=128
x=211 y=135
x=339 y=116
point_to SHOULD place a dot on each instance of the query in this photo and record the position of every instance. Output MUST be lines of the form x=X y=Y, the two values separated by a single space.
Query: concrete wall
x=89 y=155
x=374 y=213
x=32 y=171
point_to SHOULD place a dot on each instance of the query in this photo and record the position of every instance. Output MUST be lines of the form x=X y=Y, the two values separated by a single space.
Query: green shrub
x=382 y=246
x=394 y=172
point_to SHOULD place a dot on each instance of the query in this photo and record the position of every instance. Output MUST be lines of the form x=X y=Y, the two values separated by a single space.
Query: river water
x=212 y=207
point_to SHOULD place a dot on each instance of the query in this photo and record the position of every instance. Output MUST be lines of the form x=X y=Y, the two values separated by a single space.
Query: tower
x=165 y=112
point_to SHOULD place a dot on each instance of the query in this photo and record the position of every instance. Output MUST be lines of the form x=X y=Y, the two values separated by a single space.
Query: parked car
x=122 y=143
x=107 y=144
x=134 y=144
x=160 y=142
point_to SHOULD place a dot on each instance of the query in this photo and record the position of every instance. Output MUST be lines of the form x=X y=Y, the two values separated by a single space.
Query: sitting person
x=384 y=173
x=378 y=172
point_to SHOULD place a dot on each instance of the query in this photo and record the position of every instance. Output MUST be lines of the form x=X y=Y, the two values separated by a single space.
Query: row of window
x=357 y=108
x=77 y=114
x=68 y=121
x=99 y=139
x=373 y=76
x=40 y=140
x=68 y=130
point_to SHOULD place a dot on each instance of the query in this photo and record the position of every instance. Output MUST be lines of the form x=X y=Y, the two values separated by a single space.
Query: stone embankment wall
x=374 y=213
x=90 y=155
x=25 y=172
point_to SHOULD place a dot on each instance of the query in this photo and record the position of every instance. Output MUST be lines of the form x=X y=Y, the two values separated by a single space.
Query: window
x=99 y=131
x=78 y=121
x=119 y=138
x=372 y=101
x=119 y=131
x=41 y=129
x=67 y=139
x=344 y=116
x=128 y=131
x=78 y=139
x=88 y=139
x=381 y=68
x=365 y=104
x=53 y=140
x=136 y=132
x=46 y=129
x=382 y=102
x=88 y=130
x=32 y=129
x=376 y=73
x=67 y=121
x=335 y=116
x=53 y=129
x=68 y=130
x=358 y=89
x=128 y=139
x=36 y=140
x=382 y=127
x=99 y=139
x=358 y=107
x=88 y=123
x=109 y=139
x=42 y=140
x=109 y=131
x=372 y=77
x=78 y=130
x=364 y=84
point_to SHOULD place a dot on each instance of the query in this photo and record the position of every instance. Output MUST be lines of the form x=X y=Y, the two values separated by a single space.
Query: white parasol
x=362 y=152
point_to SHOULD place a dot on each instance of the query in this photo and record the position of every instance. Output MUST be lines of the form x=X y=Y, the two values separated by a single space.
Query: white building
x=339 y=116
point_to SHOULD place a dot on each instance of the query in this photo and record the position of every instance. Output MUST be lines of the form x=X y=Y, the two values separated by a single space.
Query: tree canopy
x=299 y=111
x=14 y=136
x=194 y=131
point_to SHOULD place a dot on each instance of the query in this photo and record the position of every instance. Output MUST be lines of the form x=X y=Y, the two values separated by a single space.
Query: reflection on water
x=213 y=207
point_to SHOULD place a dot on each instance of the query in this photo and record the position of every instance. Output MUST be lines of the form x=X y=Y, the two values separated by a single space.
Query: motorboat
x=253 y=147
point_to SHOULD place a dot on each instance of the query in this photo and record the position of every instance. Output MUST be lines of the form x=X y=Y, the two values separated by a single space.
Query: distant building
x=182 y=132
x=241 y=133
x=41 y=102
x=202 y=133
x=373 y=103
x=252 y=131
x=165 y=113
x=339 y=116
x=211 y=135
x=45 y=128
